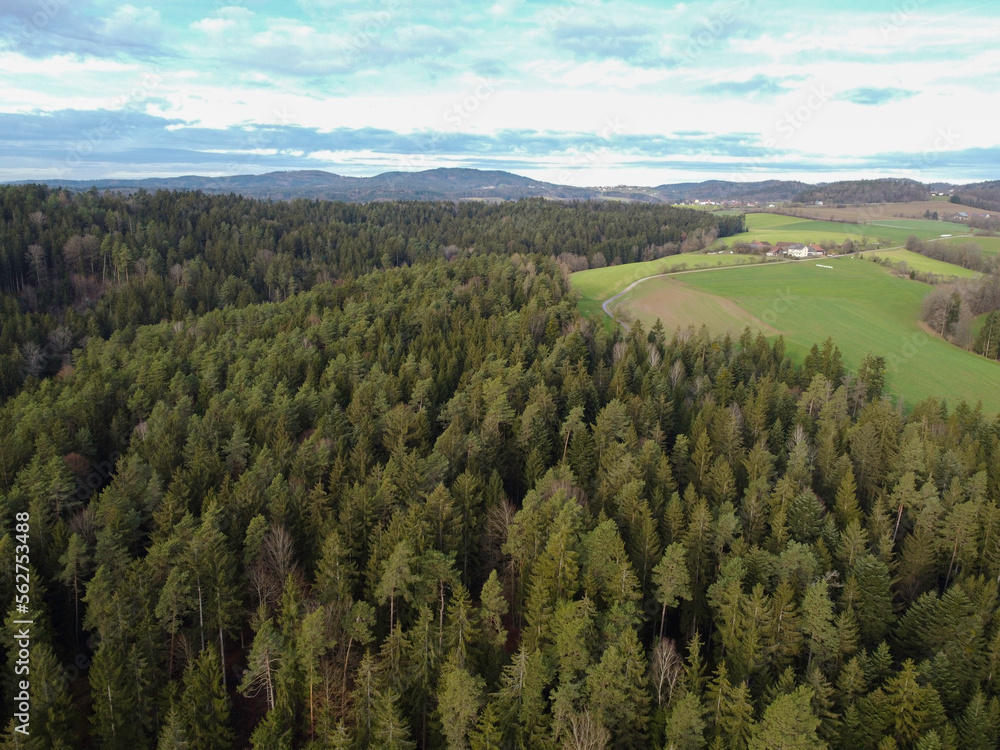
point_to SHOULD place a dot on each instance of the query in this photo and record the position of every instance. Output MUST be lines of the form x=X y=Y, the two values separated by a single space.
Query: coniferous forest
x=318 y=475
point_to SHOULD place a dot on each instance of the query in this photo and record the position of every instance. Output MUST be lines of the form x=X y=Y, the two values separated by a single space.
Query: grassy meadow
x=599 y=284
x=989 y=245
x=919 y=262
x=860 y=304
x=778 y=228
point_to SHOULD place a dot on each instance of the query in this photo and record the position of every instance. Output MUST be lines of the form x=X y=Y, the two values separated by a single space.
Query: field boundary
x=606 y=305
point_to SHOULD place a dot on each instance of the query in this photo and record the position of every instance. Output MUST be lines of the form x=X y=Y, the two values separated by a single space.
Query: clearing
x=860 y=304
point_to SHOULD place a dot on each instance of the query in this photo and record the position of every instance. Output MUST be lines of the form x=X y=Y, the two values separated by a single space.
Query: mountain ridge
x=458 y=183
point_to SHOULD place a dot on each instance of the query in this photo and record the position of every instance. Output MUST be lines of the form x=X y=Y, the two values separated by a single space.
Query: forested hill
x=430 y=507
x=886 y=190
x=431 y=184
x=76 y=265
x=722 y=190
x=985 y=195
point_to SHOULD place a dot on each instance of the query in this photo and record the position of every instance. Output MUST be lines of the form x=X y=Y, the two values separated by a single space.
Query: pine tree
x=390 y=729
x=914 y=708
x=460 y=696
x=487 y=734
x=312 y=645
x=205 y=704
x=114 y=697
x=76 y=564
x=685 y=728
x=397 y=579
x=616 y=691
x=492 y=610
x=55 y=722
x=174 y=735
x=266 y=655
x=818 y=625
x=789 y=723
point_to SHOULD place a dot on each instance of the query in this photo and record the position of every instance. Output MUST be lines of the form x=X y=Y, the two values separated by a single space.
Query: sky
x=578 y=92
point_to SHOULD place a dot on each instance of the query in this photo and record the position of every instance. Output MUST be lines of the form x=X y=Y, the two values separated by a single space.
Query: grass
x=884 y=211
x=778 y=228
x=598 y=284
x=861 y=305
x=919 y=262
x=989 y=245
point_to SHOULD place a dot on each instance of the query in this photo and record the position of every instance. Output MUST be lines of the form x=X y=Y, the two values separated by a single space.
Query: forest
x=79 y=265
x=423 y=504
x=886 y=190
x=954 y=308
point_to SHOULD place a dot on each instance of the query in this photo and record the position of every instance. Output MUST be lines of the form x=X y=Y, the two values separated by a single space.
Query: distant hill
x=492 y=185
x=433 y=184
x=983 y=195
x=439 y=184
x=720 y=190
x=889 y=190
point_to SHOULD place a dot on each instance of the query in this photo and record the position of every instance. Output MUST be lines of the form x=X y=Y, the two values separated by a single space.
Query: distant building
x=961 y=216
x=797 y=250
x=816 y=250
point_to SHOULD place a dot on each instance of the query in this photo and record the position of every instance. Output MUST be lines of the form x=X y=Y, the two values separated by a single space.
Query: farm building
x=797 y=250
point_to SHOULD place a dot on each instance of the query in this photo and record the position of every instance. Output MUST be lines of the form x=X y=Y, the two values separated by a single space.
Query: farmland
x=882 y=212
x=861 y=305
x=779 y=228
x=598 y=284
x=989 y=245
x=919 y=262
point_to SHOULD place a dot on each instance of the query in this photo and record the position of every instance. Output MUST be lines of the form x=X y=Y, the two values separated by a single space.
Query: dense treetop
x=886 y=190
x=89 y=264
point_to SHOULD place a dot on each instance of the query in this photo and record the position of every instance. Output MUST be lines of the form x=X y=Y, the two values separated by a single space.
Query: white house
x=797 y=251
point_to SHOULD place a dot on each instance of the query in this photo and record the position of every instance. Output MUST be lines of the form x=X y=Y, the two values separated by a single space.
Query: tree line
x=77 y=265
x=886 y=190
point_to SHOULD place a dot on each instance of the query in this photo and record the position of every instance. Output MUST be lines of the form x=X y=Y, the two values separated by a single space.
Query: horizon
x=577 y=93
x=58 y=181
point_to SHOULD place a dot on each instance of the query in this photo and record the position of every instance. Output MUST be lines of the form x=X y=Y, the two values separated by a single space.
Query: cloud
x=872 y=97
x=81 y=27
x=594 y=39
x=757 y=86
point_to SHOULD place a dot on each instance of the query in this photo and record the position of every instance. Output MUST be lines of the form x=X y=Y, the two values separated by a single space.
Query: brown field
x=680 y=306
x=879 y=211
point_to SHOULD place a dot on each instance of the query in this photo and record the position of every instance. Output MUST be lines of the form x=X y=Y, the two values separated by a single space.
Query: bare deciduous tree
x=665 y=668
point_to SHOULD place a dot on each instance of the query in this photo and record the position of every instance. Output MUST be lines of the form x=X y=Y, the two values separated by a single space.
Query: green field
x=598 y=284
x=860 y=304
x=777 y=228
x=989 y=245
x=919 y=262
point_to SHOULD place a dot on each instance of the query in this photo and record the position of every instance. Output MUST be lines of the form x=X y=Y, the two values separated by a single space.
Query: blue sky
x=578 y=92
